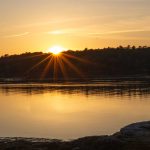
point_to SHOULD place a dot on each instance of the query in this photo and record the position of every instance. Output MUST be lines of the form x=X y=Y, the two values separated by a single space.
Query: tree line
x=93 y=63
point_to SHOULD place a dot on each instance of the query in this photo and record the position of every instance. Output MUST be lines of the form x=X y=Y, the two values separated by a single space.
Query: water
x=71 y=110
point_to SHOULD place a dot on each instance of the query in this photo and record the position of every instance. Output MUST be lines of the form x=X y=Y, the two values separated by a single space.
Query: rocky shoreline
x=132 y=137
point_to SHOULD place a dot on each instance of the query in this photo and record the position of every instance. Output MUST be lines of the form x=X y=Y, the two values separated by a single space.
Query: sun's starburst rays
x=63 y=69
x=77 y=58
x=47 y=67
x=59 y=66
x=55 y=68
x=34 y=56
x=73 y=67
x=38 y=64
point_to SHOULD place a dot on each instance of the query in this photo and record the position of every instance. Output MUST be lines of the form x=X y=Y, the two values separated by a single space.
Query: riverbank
x=132 y=137
x=142 y=78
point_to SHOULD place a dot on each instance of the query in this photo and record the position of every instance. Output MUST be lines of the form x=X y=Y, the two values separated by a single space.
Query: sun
x=56 y=50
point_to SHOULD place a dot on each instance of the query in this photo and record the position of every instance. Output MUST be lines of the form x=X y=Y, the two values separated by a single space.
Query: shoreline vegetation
x=132 y=137
x=120 y=62
x=108 y=85
x=13 y=80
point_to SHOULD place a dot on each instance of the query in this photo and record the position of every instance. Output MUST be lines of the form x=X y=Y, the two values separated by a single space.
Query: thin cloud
x=59 y=21
x=64 y=31
x=16 y=35
x=117 y=32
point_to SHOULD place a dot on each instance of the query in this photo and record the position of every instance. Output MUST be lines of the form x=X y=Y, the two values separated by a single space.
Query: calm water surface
x=71 y=110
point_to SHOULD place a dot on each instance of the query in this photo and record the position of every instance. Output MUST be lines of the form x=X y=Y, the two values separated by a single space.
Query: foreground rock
x=133 y=137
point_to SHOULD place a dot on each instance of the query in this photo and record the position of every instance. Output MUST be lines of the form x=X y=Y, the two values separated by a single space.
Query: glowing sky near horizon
x=36 y=25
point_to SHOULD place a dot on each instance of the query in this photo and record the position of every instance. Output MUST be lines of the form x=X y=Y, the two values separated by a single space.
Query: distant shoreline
x=76 y=65
x=76 y=80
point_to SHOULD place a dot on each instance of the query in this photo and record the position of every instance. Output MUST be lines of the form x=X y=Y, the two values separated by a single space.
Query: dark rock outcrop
x=132 y=137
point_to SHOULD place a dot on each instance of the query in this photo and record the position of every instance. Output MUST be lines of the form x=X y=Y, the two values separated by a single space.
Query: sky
x=37 y=25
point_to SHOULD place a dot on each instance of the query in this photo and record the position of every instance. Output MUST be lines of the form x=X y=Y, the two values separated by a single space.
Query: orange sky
x=36 y=25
